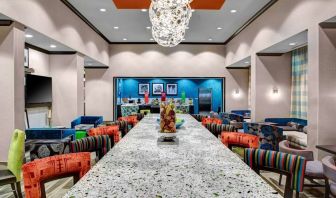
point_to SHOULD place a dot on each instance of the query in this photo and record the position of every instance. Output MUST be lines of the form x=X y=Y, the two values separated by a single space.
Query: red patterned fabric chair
x=230 y=139
x=132 y=120
x=112 y=131
x=38 y=172
x=206 y=121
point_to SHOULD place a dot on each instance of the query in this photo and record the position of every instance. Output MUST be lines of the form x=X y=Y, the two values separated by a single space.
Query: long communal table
x=199 y=166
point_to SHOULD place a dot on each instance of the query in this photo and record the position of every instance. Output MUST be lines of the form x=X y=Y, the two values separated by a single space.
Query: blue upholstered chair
x=285 y=121
x=242 y=112
x=49 y=133
x=92 y=120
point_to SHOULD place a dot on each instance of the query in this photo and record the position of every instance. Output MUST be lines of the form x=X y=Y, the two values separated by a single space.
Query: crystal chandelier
x=169 y=18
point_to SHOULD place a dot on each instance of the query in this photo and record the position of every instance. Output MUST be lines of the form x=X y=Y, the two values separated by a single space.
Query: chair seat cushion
x=296 y=137
x=6 y=176
x=314 y=169
x=332 y=188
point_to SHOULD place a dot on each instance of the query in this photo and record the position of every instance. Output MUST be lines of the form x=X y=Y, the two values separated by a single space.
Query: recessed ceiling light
x=143 y=10
x=210 y=39
x=29 y=36
x=53 y=46
x=116 y=27
x=183 y=39
x=233 y=11
x=149 y=27
x=247 y=62
x=219 y=28
x=151 y=39
x=102 y=9
x=124 y=39
x=292 y=44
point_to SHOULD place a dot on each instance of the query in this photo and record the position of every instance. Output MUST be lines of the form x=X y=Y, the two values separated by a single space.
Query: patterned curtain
x=299 y=103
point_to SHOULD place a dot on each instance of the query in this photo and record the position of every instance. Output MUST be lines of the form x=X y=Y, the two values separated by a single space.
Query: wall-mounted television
x=38 y=90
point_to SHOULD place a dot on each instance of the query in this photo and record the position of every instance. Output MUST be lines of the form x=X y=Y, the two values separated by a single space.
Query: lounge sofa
x=294 y=130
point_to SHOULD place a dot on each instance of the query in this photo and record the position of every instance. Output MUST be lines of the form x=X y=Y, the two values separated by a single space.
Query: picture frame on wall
x=171 y=89
x=157 y=88
x=142 y=88
x=26 y=57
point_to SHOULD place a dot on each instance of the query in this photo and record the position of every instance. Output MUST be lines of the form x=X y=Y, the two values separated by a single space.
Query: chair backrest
x=270 y=137
x=236 y=117
x=329 y=168
x=251 y=128
x=95 y=120
x=211 y=120
x=295 y=165
x=37 y=172
x=240 y=139
x=132 y=120
x=101 y=144
x=112 y=131
x=16 y=153
x=199 y=117
x=217 y=129
x=285 y=147
x=123 y=126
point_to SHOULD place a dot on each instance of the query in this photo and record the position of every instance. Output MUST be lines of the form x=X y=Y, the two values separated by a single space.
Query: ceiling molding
x=27 y=45
x=5 y=22
x=145 y=4
x=270 y=54
x=328 y=25
x=96 y=67
x=238 y=67
x=259 y=13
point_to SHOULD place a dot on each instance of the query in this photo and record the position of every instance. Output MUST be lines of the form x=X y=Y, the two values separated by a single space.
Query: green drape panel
x=299 y=103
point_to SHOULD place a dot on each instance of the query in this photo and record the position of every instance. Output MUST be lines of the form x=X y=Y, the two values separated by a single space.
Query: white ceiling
x=203 y=25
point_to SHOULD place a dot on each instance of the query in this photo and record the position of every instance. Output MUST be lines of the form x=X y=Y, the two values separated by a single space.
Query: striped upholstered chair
x=293 y=166
x=40 y=171
x=199 y=117
x=112 y=131
x=217 y=129
x=132 y=120
x=100 y=144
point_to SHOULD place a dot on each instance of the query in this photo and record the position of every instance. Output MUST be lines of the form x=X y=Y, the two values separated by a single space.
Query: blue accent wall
x=128 y=87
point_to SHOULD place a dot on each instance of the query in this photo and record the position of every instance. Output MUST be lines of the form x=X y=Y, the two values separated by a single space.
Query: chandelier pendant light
x=170 y=19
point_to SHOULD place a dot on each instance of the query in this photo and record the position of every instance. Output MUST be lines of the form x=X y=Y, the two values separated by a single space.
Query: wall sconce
x=275 y=90
x=236 y=91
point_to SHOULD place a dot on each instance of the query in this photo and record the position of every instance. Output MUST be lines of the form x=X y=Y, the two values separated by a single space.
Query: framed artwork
x=26 y=57
x=171 y=89
x=143 y=87
x=157 y=88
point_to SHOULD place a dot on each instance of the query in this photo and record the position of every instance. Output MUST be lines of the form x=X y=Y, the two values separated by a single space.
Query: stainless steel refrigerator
x=204 y=100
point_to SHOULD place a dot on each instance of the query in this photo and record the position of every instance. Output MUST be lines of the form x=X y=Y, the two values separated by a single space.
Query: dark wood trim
x=259 y=13
x=74 y=10
x=96 y=67
x=248 y=67
x=328 y=25
x=270 y=54
x=5 y=22
x=27 y=45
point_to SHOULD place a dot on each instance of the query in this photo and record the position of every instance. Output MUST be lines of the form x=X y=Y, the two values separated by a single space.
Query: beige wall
x=39 y=62
x=11 y=84
x=156 y=61
x=68 y=97
x=271 y=72
x=54 y=19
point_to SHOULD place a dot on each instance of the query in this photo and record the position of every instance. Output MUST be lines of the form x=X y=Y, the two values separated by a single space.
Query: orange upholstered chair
x=112 y=131
x=132 y=120
x=230 y=139
x=206 y=121
x=40 y=171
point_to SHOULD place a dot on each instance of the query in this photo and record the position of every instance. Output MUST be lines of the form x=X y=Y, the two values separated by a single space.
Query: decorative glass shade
x=170 y=19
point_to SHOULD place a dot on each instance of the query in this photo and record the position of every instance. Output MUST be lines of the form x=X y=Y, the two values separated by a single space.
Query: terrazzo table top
x=199 y=166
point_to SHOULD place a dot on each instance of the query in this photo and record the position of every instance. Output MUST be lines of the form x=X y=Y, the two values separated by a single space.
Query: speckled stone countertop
x=199 y=166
